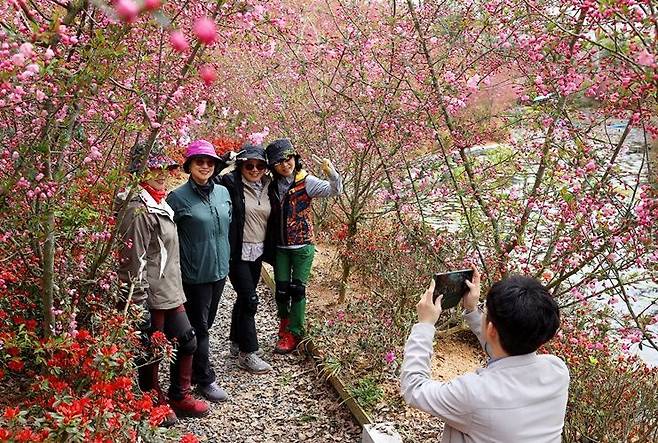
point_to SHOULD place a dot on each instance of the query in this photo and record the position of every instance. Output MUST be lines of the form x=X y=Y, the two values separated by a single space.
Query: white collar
x=154 y=207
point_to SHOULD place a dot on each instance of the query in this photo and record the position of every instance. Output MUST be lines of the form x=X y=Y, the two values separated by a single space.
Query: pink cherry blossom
x=18 y=59
x=200 y=109
x=449 y=76
x=178 y=41
x=127 y=10
x=205 y=30
x=257 y=138
x=26 y=49
x=472 y=83
x=645 y=58
x=208 y=74
x=152 y=5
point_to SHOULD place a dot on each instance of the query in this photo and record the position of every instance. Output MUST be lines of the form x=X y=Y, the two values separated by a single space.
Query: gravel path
x=290 y=404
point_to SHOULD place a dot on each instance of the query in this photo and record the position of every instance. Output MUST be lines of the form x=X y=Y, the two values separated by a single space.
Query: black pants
x=244 y=278
x=201 y=307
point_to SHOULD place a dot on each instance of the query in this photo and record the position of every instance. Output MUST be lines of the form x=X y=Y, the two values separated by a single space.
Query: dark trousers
x=201 y=307
x=176 y=326
x=244 y=277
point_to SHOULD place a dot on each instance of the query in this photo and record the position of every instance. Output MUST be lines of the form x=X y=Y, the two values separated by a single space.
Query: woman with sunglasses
x=202 y=212
x=248 y=186
x=291 y=193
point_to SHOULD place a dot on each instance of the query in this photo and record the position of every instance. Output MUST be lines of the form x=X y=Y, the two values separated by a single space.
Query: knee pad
x=281 y=294
x=187 y=342
x=297 y=291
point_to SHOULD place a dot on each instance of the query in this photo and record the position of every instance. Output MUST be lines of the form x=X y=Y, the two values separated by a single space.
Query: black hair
x=298 y=163
x=524 y=313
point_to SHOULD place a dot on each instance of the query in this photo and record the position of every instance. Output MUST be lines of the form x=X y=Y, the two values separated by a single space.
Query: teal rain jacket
x=203 y=225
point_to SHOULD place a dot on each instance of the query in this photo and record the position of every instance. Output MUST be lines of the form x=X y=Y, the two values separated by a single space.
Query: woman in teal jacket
x=202 y=212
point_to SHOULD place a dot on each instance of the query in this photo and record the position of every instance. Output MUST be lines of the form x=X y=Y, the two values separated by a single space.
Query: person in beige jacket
x=150 y=273
x=520 y=396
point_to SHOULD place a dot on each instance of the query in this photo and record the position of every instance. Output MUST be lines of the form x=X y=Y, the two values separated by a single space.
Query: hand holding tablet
x=453 y=286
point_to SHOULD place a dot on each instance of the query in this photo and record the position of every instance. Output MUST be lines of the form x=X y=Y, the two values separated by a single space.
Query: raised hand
x=324 y=164
x=428 y=310
x=472 y=297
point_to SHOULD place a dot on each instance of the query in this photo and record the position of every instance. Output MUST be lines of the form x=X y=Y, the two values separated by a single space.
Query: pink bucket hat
x=199 y=148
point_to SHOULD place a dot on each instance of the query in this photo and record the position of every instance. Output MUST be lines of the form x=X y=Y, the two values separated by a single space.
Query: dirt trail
x=290 y=404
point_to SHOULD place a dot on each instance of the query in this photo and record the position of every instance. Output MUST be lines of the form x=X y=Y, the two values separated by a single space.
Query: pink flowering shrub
x=611 y=395
x=80 y=84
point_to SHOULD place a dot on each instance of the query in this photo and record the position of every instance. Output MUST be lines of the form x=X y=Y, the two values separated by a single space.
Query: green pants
x=292 y=268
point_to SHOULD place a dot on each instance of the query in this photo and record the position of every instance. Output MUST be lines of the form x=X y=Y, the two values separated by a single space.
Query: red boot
x=189 y=406
x=149 y=381
x=186 y=405
x=286 y=344
x=283 y=326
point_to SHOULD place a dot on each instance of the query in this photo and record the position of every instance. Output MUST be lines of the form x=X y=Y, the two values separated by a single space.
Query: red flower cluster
x=224 y=145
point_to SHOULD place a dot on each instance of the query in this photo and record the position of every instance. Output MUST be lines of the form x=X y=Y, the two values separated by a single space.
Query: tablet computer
x=452 y=285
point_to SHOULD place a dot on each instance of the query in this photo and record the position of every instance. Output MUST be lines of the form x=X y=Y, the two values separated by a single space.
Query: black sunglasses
x=251 y=166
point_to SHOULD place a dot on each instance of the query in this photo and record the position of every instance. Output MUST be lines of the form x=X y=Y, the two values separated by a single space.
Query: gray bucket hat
x=251 y=152
x=279 y=150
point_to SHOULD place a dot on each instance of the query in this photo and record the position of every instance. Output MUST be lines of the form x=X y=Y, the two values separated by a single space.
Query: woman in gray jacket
x=150 y=274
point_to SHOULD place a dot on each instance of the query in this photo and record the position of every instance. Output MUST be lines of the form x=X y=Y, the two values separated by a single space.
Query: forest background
x=519 y=135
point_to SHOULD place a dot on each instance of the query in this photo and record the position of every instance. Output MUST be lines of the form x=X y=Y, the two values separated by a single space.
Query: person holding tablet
x=520 y=396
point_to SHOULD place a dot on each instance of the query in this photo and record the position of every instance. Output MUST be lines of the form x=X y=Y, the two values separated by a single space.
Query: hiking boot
x=212 y=392
x=160 y=399
x=283 y=326
x=286 y=344
x=170 y=419
x=234 y=350
x=251 y=362
x=189 y=406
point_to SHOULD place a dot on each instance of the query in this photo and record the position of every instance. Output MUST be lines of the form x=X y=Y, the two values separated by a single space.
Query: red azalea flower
x=158 y=338
x=13 y=351
x=158 y=414
x=143 y=403
x=16 y=365
x=31 y=325
x=25 y=435
x=10 y=413
x=83 y=335
x=189 y=438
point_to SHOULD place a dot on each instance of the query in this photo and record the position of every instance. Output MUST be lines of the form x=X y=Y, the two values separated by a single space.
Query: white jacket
x=517 y=399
